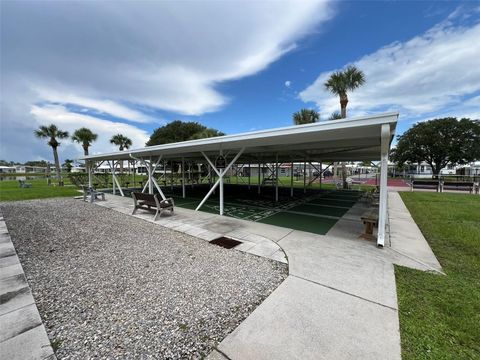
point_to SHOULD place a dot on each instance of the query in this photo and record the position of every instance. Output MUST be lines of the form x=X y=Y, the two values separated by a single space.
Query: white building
x=7 y=169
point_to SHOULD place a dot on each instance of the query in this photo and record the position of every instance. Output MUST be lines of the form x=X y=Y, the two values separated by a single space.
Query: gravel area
x=108 y=285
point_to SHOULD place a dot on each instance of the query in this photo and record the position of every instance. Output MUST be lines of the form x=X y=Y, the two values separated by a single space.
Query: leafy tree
x=6 y=163
x=305 y=116
x=178 y=130
x=340 y=82
x=207 y=133
x=335 y=116
x=53 y=133
x=40 y=163
x=439 y=142
x=85 y=137
x=68 y=164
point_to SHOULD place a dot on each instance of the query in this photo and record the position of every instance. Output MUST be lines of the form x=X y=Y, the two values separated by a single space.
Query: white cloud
x=288 y=83
x=162 y=54
x=427 y=74
x=102 y=106
x=119 y=58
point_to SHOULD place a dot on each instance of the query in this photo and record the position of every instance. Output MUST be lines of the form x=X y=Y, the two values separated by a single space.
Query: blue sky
x=130 y=67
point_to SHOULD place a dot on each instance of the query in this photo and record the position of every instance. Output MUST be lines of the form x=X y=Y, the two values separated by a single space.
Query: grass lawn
x=11 y=191
x=440 y=315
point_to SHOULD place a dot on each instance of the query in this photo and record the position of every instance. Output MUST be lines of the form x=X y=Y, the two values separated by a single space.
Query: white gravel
x=112 y=286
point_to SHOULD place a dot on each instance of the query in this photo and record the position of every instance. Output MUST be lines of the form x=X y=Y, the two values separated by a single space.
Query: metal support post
x=383 y=209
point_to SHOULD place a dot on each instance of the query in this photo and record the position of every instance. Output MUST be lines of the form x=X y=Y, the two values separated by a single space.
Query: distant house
x=78 y=169
x=7 y=169
x=424 y=170
x=472 y=169
x=26 y=169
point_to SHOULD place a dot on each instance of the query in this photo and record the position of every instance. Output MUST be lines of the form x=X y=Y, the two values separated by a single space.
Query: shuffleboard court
x=334 y=202
x=304 y=222
x=315 y=211
x=319 y=210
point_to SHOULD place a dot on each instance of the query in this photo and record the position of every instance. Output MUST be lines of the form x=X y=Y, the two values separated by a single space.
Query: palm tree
x=305 y=116
x=85 y=137
x=335 y=116
x=123 y=143
x=340 y=82
x=53 y=133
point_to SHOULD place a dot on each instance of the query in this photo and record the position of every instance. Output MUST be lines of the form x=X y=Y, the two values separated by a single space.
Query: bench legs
x=369 y=227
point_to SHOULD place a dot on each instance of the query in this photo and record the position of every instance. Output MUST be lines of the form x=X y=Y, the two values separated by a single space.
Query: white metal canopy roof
x=349 y=139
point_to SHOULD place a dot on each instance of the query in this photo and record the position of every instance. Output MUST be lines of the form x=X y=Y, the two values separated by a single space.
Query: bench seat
x=422 y=184
x=92 y=193
x=370 y=221
x=151 y=202
x=458 y=185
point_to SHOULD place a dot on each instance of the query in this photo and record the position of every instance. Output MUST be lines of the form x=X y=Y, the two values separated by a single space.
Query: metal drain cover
x=225 y=242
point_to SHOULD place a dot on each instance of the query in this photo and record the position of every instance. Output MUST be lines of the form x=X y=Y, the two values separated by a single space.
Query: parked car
x=326 y=173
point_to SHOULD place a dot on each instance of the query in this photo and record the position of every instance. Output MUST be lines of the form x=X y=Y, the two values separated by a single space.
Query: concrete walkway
x=22 y=334
x=339 y=300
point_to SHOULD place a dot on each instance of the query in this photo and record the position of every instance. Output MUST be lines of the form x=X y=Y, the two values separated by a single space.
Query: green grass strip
x=440 y=315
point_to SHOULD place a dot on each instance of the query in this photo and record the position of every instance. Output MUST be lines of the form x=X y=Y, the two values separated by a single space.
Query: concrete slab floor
x=301 y=320
x=342 y=265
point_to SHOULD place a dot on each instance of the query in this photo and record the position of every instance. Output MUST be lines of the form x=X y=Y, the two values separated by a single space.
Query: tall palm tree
x=53 y=133
x=305 y=116
x=123 y=143
x=85 y=137
x=340 y=82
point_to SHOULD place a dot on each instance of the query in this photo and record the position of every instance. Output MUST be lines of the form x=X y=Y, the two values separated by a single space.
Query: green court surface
x=304 y=222
x=319 y=209
x=334 y=202
x=315 y=211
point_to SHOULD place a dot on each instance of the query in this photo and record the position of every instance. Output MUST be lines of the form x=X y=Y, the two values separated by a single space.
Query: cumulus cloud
x=435 y=72
x=101 y=106
x=288 y=83
x=118 y=57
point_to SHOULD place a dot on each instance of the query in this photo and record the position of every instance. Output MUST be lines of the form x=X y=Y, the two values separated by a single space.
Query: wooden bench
x=268 y=181
x=372 y=197
x=457 y=185
x=92 y=193
x=151 y=202
x=425 y=184
x=370 y=220
x=24 y=184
